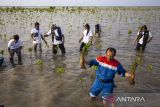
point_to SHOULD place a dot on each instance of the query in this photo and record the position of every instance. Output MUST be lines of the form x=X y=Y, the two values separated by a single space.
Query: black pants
x=55 y=48
x=82 y=45
x=141 y=46
x=39 y=46
x=18 y=52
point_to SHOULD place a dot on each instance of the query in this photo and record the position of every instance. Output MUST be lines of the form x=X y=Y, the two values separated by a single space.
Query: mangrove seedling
x=95 y=67
x=83 y=54
x=86 y=48
x=60 y=71
x=135 y=64
x=2 y=52
x=133 y=69
x=40 y=62
x=149 y=68
x=81 y=80
x=30 y=50
x=129 y=32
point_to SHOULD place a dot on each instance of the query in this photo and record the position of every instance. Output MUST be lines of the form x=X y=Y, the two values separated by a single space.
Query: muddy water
x=30 y=85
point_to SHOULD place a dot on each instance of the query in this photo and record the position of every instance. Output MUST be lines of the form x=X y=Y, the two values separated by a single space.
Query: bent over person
x=15 y=46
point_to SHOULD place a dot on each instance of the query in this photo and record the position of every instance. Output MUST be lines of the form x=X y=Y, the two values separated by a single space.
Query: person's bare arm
x=81 y=38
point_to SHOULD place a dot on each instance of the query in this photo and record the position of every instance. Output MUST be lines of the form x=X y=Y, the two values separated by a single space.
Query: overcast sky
x=79 y=2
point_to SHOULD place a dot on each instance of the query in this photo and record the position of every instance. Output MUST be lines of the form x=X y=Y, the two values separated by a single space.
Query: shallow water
x=30 y=85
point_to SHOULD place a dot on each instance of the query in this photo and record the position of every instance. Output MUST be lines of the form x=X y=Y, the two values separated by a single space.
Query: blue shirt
x=107 y=69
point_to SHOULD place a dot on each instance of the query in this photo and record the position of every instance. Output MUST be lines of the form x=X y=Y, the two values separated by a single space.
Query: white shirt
x=55 y=42
x=13 y=45
x=38 y=38
x=141 y=39
x=86 y=36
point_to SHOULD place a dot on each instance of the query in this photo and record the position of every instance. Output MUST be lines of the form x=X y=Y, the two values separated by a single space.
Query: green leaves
x=149 y=68
x=138 y=62
x=2 y=52
x=129 y=32
x=82 y=55
x=134 y=66
x=30 y=49
x=60 y=71
x=39 y=62
x=86 y=48
x=81 y=80
x=95 y=67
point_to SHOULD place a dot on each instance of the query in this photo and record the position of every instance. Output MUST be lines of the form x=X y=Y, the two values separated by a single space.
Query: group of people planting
x=107 y=65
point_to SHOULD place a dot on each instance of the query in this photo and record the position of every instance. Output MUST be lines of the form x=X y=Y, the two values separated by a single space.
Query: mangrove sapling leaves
x=86 y=48
x=134 y=66
x=149 y=68
x=2 y=52
x=95 y=67
x=60 y=71
x=30 y=50
x=81 y=80
x=129 y=32
x=83 y=54
x=138 y=60
x=40 y=63
x=123 y=78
